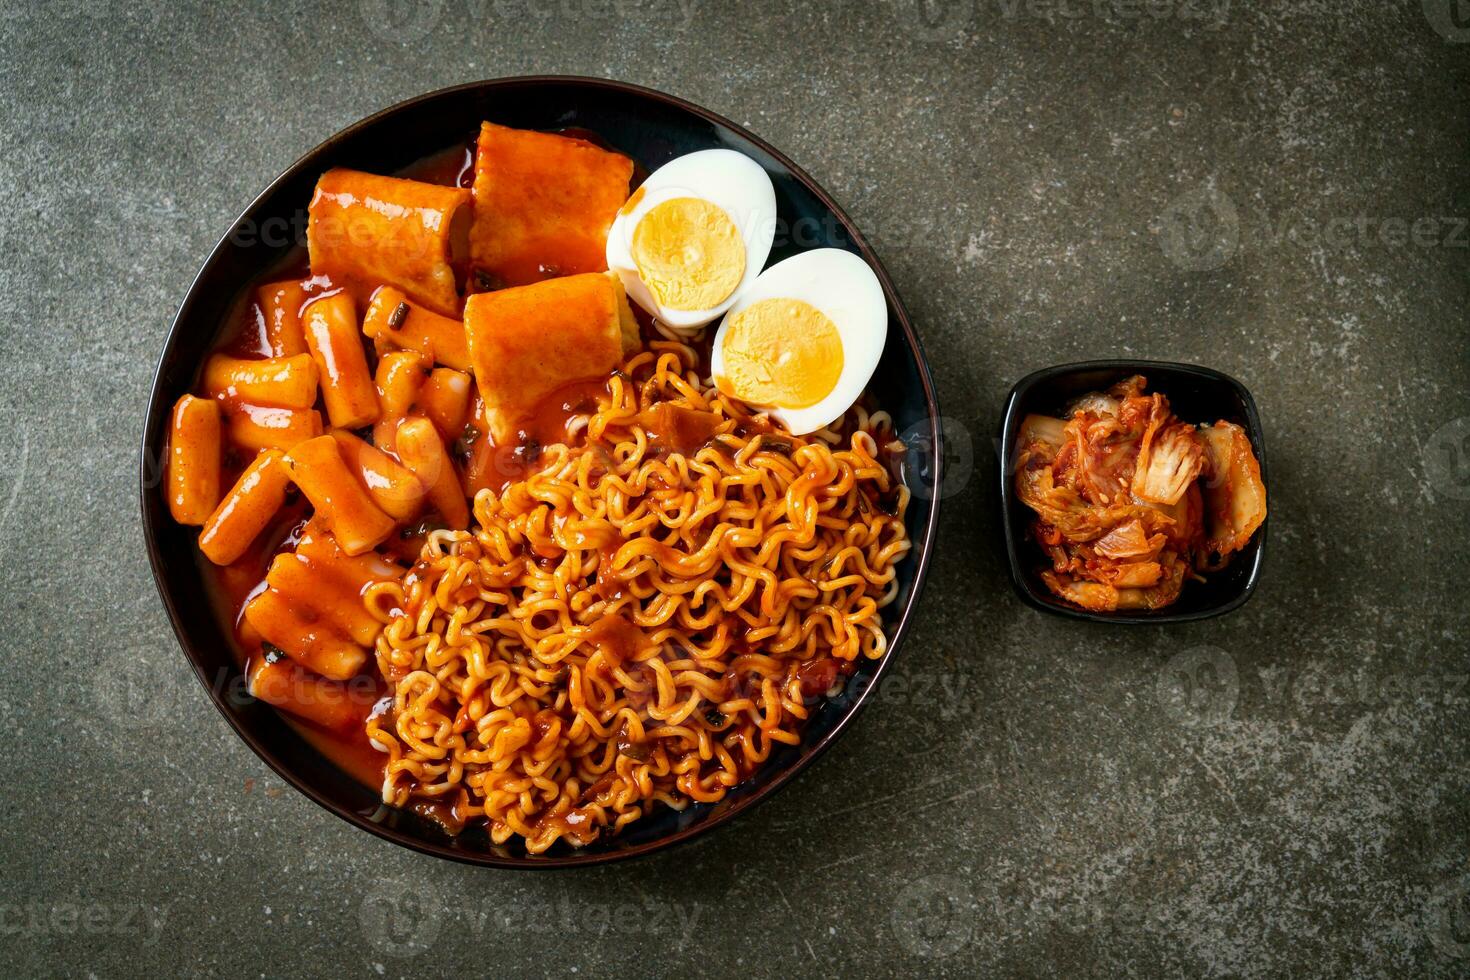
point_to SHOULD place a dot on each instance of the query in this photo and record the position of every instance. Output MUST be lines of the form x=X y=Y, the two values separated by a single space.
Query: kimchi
x=1131 y=502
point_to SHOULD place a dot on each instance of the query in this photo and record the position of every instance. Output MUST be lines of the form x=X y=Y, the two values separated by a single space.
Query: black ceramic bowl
x=652 y=128
x=1197 y=394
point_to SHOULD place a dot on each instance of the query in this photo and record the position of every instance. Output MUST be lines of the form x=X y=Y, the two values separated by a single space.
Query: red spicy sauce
x=232 y=587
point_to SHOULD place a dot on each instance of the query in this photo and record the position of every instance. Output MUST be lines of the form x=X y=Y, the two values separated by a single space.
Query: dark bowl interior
x=652 y=128
x=1197 y=394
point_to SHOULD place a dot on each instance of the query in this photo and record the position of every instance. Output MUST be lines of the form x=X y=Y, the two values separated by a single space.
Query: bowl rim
x=151 y=472
x=1014 y=539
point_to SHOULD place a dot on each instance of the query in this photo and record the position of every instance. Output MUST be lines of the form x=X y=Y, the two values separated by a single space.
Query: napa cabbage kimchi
x=1131 y=502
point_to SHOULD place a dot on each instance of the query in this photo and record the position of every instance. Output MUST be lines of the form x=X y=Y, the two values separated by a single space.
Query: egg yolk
x=689 y=253
x=781 y=352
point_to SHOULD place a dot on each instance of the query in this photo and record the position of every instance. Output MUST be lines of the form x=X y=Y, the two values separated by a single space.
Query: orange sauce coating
x=270 y=323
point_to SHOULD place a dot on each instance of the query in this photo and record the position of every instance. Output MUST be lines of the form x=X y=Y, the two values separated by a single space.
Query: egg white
x=847 y=291
x=729 y=180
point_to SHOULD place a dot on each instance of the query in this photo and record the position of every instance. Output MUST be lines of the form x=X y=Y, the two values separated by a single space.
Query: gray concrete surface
x=1277 y=189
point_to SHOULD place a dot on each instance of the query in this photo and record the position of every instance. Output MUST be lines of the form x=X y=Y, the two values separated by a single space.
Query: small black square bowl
x=1197 y=394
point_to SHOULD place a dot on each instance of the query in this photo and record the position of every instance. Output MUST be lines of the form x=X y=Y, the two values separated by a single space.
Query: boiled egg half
x=693 y=235
x=803 y=340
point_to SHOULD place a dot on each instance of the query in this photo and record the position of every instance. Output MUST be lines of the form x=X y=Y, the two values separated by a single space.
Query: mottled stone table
x=1276 y=189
